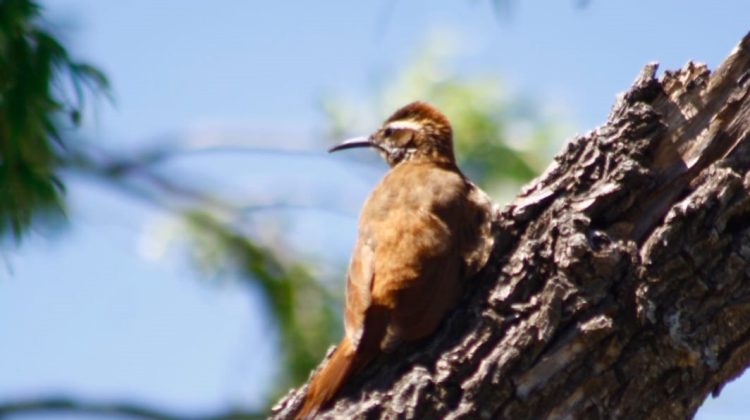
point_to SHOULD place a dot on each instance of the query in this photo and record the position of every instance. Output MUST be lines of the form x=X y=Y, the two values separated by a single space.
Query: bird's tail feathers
x=327 y=382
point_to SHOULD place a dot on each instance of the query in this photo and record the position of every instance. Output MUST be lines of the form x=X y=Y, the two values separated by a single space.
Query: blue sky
x=95 y=311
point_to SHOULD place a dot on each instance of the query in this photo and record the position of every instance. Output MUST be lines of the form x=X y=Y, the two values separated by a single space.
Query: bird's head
x=416 y=131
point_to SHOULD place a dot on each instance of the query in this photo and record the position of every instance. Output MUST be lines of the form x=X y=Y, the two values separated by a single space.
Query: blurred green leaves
x=302 y=308
x=213 y=230
x=41 y=88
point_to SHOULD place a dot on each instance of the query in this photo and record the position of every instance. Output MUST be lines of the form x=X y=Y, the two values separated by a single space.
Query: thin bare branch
x=60 y=404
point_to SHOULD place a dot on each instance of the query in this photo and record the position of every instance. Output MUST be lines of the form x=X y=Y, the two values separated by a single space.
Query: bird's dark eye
x=388 y=132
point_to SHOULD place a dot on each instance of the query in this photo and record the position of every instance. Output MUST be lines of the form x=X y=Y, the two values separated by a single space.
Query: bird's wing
x=408 y=261
x=402 y=279
x=478 y=239
x=417 y=275
x=358 y=285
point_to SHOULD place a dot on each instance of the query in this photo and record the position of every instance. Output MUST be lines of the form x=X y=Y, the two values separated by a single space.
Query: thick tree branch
x=619 y=285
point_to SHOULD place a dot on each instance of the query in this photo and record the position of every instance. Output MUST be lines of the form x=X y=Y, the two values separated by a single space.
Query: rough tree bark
x=619 y=284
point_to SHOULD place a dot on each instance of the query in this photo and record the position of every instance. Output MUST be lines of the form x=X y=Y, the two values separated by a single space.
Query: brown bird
x=422 y=231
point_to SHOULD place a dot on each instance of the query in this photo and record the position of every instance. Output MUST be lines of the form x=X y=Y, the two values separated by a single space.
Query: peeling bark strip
x=619 y=285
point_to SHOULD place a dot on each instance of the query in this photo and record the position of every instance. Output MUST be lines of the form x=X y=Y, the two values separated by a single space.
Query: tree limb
x=619 y=286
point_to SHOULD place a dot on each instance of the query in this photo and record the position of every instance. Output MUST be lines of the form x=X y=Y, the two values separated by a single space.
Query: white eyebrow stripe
x=407 y=124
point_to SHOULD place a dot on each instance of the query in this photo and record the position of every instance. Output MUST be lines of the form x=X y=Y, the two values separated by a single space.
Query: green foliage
x=301 y=307
x=37 y=76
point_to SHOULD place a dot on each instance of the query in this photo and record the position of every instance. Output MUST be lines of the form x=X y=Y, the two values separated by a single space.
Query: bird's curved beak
x=352 y=143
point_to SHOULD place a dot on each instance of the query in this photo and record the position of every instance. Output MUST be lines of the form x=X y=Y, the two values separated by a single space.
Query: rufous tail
x=327 y=382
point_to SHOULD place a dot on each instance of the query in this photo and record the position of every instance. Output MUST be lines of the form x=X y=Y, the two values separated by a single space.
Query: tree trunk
x=619 y=283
